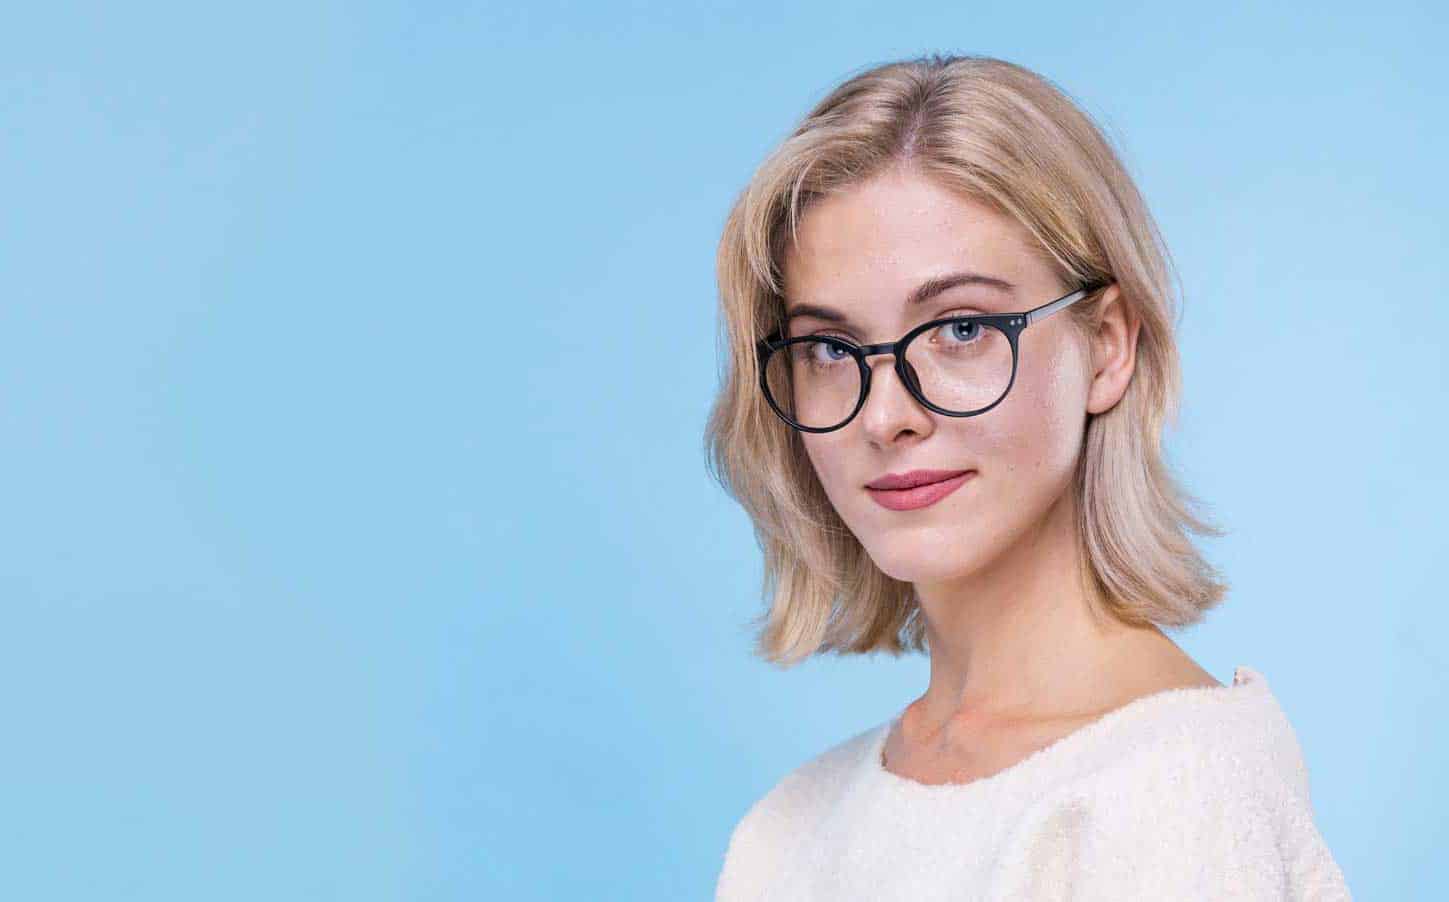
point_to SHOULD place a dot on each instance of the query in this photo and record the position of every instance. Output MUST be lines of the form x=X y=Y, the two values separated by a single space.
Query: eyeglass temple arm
x=1048 y=309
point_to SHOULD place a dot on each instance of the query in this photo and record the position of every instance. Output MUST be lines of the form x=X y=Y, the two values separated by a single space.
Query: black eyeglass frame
x=1012 y=324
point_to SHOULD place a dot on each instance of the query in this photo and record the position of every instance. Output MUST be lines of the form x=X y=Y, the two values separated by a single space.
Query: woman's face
x=862 y=253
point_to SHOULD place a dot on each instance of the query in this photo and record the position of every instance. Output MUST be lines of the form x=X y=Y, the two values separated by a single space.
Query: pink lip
x=921 y=495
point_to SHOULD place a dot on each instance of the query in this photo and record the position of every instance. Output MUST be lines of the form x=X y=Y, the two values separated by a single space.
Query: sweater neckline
x=1247 y=681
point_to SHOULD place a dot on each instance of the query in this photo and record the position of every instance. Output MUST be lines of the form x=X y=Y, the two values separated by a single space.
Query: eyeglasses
x=962 y=366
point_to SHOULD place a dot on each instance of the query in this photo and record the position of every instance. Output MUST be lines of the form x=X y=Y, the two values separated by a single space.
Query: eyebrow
x=923 y=293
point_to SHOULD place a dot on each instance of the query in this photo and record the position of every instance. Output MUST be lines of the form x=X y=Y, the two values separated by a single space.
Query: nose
x=890 y=408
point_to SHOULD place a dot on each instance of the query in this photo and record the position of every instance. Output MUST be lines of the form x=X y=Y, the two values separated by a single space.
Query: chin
x=924 y=556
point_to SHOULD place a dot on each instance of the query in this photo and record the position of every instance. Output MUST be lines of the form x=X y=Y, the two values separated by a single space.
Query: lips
x=922 y=495
x=912 y=479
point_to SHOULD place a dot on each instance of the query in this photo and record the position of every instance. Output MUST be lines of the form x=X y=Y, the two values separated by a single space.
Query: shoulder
x=809 y=787
x=1221 y=744
x=1197 y=742
x=763 y=836
x=1228 y=756
x=1204 y=799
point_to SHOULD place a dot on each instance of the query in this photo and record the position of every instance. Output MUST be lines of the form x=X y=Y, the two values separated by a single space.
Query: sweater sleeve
x=1186 y=830
x=760 y=843
x=742 y=871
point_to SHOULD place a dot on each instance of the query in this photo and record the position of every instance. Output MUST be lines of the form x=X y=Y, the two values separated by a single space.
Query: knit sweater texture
x=1196 y=793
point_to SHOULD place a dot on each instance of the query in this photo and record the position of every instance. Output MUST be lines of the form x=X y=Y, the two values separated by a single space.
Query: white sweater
x=1197 y=793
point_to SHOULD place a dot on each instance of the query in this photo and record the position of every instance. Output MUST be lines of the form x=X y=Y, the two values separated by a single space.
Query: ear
x=1114 y=351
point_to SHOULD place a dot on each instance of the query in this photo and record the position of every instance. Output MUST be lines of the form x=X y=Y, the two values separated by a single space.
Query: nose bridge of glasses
x=885 y=347
x=897 y=365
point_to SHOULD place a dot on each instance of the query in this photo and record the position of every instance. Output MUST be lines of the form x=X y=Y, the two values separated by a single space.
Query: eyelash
x=950 y=313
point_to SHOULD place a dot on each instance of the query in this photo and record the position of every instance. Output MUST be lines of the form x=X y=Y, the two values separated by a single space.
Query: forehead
x=894 y=230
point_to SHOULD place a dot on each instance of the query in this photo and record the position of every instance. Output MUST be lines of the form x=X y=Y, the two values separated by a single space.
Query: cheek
x=830 y=457
x=1036 y=433
x=827 y=458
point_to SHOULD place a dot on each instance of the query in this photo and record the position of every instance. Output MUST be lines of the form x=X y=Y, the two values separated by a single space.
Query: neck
x=1020 y=638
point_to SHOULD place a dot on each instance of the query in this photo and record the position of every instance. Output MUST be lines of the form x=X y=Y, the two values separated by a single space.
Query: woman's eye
x=960 y=332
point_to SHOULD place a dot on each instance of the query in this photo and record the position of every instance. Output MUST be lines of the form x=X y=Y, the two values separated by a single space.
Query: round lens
x=962 y=365
x=814 y=381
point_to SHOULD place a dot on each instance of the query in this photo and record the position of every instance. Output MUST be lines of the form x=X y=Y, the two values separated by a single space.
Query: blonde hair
x=1006 y=136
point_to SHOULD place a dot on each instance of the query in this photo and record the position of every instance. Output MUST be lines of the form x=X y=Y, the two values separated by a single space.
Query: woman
x=951 y=359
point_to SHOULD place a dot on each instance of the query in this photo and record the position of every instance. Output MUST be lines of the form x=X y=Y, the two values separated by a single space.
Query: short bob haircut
x=1003 y=135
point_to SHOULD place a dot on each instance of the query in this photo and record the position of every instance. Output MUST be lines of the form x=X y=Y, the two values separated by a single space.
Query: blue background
x=354 y=361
